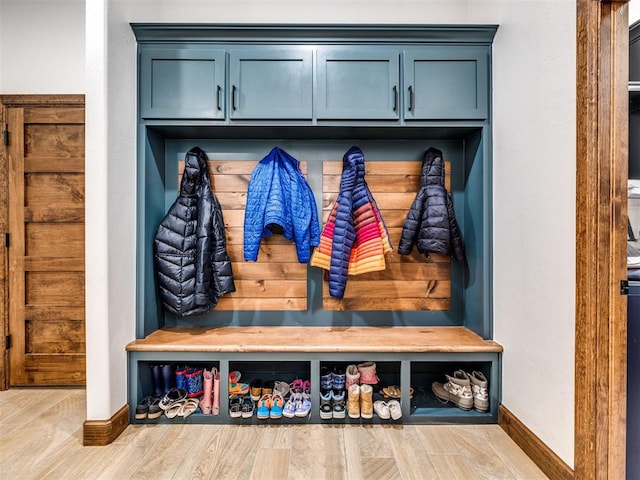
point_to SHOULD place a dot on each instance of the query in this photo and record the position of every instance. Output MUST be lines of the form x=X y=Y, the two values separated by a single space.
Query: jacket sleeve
x=257 y=193
x=411 y=226
x=204 y=246
x=457 y=246
x=221 y=263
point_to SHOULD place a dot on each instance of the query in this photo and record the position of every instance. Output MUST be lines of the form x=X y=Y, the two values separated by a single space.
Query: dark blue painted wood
x=358 y=83
x=182 y=83
x=270 y=83
x=446 y=82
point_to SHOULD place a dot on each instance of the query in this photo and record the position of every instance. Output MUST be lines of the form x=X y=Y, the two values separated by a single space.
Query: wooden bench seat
x=315 y=339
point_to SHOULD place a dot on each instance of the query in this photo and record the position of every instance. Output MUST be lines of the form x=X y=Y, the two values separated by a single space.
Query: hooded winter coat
x=192 y=264
x=354 y=239
x=431 y=222
x=278 y=195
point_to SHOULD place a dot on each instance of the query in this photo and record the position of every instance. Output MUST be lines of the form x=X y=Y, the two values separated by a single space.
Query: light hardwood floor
x=41 y=438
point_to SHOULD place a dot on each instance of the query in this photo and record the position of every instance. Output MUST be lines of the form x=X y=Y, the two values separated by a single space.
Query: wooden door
x=45 y=155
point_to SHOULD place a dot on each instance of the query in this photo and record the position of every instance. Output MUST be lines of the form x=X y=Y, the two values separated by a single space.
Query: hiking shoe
x=480 y=391
x=457 y=390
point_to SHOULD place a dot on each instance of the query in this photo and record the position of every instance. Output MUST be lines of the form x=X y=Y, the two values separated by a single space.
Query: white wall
x=534 y=178
x=42 y=46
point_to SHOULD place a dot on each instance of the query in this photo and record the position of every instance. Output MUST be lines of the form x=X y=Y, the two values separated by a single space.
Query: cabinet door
x=357 y=84
x=446 y=82
x=271 y=83
x=182 y=83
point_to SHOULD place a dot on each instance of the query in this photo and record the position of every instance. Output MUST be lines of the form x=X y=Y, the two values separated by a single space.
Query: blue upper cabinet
x=358 y=83
x=271 y=83
x=446 y=82
x=185 y=83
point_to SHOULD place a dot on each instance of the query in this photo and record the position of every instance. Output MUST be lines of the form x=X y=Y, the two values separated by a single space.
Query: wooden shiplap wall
x=278 y=282
x=409 y=282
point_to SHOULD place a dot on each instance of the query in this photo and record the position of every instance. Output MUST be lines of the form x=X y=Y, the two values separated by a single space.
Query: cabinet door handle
x=395 y=98
x=233 y=97
x=218 y=90
x=410 y=98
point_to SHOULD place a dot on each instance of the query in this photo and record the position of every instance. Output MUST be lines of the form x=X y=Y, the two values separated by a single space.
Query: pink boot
x=368 y=373
x=207 y=398
x=216 y=392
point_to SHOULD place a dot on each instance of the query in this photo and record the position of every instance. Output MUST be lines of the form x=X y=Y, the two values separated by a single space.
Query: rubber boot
x=366 y=401
x=353 y=401
x=181 y=379
x=156 y=380
x=206 y=402
x=169 y=376
x=216 y=391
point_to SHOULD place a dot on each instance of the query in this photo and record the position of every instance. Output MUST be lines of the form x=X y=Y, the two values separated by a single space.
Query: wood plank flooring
x=41 y=438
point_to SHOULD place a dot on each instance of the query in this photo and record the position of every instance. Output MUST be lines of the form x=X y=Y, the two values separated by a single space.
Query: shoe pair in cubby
x=465 y=390
x=352 y=390
x=179 y=391
x=269 y=399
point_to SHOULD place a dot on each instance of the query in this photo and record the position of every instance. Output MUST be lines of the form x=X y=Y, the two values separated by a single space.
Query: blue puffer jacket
x=278 y=195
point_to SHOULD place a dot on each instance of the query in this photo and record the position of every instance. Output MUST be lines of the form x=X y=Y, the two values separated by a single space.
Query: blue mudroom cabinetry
x=236 y=91
x=446 y=82
x=182 y=83
x=271 y=83
x=358 y=84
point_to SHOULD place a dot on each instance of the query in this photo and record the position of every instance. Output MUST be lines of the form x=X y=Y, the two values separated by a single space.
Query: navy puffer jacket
x=278 y=195
x=431 y=222
x=193 y=268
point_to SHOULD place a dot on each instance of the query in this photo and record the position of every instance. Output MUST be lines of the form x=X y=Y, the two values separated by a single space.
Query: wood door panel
x=54 y=288
x=58 y=336
x=54 y=189
x=54 y=369
x=54 y=240
x=46 y=254
x=55 y=214
x=65 y=141
x=49 y=164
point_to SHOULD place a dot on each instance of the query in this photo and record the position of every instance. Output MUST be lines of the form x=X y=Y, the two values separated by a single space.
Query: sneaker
x=382 y=409
x=339 y=409
x=303 y=405
x=480 y=390
x=457 y=390
x=326 y=406
x=289 y=410
x=338 y=378
x=395 y=410
x=326 y=378
x=255 y=389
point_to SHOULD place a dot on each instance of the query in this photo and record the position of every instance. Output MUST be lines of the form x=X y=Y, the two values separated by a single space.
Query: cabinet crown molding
x=313 y=34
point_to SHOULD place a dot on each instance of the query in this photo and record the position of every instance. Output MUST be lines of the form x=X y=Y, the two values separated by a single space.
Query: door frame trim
x=601 y=215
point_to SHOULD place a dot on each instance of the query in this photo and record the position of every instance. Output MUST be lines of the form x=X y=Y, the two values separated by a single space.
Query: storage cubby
x=420 y=317
x=426 y=404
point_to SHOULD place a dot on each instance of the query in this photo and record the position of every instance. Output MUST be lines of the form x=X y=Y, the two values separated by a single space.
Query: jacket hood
x=432 y=168
x=195 y=164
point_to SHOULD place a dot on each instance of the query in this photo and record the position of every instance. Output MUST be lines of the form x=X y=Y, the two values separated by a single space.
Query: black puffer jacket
x=192 y=265
x=431 y=222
